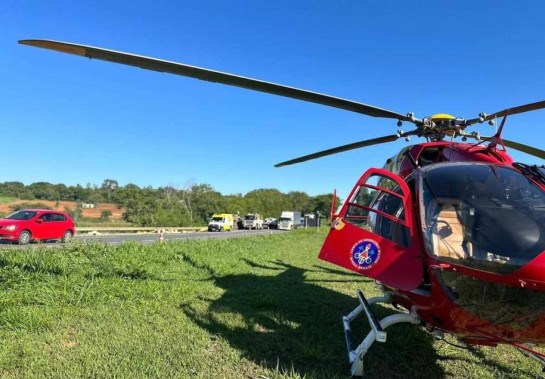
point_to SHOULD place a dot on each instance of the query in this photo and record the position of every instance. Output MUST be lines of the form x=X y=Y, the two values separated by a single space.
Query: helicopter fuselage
x=455 y=233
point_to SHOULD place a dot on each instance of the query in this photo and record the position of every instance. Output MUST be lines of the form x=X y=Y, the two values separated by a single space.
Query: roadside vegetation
x=190 y=205
x=260 y=307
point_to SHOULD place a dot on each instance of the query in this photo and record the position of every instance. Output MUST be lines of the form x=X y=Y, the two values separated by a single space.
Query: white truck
x=289 y=220
x=252 y=221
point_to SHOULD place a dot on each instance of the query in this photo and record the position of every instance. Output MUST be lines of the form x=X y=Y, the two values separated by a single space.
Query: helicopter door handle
x=441 y=266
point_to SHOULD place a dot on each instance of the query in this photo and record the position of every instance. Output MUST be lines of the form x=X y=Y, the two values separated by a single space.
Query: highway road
x=116 y=239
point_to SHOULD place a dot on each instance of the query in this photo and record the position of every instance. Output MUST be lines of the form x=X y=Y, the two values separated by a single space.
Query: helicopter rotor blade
x=340 y=149
x=520 y=109
x=524 y=148
x=510 y=111
x=213 y=76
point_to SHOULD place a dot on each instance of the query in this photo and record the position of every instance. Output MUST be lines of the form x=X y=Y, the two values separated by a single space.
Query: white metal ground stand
x=377 y=333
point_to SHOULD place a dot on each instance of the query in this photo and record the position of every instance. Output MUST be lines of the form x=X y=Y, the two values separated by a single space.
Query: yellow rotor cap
x=442 y=117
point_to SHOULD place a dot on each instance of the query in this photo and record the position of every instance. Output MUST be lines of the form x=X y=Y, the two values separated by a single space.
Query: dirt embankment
x=95 y=212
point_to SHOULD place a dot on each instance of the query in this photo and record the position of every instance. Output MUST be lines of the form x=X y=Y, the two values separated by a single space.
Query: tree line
x=172 y=206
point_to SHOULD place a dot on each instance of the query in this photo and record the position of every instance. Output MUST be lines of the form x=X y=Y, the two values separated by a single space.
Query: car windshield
x=249 y=217
x=22 y=215
x=483 y=216
x=217 y=219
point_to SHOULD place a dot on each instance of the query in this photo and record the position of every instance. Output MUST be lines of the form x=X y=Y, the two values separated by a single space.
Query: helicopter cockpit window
x=377 y=206
x=482 y=216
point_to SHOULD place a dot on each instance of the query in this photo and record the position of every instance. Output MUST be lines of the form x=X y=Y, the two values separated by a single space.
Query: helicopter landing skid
x=377 y=333
x=526 y=350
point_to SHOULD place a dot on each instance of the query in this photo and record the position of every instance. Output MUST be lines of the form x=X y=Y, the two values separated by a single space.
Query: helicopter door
x=374 y=234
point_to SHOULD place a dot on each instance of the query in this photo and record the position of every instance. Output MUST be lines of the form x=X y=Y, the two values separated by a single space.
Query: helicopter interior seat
x=448 y=233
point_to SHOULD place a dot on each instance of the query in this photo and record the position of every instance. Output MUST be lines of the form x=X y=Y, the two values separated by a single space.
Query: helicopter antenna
x=497 y=137
x=498 y=133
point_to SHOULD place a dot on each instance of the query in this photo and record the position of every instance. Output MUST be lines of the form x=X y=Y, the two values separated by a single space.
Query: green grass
x=262 y=307
x=7 y=199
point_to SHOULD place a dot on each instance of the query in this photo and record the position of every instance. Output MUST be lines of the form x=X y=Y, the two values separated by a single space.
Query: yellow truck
x=221 y=222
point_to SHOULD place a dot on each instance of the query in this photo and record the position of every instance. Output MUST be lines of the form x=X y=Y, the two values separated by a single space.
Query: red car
x=36 y=224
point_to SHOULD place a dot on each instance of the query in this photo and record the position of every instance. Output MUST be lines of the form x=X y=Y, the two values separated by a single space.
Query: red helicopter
x=453 y=232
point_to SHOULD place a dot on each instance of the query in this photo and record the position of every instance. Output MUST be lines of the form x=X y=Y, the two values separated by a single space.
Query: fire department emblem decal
x=365 y=253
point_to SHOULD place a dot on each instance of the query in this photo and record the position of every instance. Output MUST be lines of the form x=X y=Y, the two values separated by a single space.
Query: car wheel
x=24 y=237
x=67 y=236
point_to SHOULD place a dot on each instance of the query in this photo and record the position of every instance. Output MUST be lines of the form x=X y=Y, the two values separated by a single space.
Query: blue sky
x=66 y=119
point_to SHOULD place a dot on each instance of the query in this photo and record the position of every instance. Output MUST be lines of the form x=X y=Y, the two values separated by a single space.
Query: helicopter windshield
x=483 y=216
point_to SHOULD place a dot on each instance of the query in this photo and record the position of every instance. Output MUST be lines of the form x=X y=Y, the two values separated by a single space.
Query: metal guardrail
x=129 y=229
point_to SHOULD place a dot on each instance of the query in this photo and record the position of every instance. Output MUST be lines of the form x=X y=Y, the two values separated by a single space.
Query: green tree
x=268 y=202
x=170 y=193
x=299 y=201
x=105 y=215
x=79 y=193
x=235 y=204
x=95 y=197
x=170 y=214
x=108 y=187
x=322 y=204
x=44 y=191
x=16 y=189
x=139 y=204
x=64 y=192
x=205 y=202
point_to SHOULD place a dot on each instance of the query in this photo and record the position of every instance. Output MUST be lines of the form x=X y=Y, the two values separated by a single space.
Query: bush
x=105 y=215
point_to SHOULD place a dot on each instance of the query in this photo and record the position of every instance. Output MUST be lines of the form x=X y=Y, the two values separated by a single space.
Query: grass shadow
x=495 y=366
x=290 y=325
